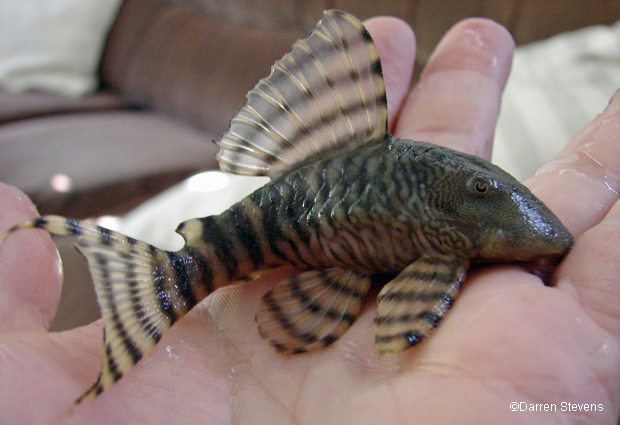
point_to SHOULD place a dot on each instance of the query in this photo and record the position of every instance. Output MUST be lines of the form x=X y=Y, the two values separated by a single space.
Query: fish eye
x=480 y=186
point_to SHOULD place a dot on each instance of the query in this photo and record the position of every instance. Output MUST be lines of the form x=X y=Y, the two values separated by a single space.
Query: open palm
x=508 y=338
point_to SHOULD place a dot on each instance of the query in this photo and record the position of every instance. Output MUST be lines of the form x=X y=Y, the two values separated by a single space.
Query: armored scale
x=346 y=200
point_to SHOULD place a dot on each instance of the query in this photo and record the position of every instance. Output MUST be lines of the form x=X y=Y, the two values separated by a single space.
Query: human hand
x=508 y=338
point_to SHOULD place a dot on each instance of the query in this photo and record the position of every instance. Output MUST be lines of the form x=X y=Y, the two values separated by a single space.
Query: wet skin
x=506 y=337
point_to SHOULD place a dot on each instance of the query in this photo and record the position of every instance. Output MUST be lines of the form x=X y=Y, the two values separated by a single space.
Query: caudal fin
x=141 y=291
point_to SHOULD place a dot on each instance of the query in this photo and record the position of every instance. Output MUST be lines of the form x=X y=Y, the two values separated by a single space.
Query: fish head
x=512 y=223
x=504 y=220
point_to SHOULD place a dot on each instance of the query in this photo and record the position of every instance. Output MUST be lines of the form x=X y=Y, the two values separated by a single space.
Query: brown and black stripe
x=311 y=310
x=413 y=304
x=141 y=291
x=346 y=200
x=327 y=93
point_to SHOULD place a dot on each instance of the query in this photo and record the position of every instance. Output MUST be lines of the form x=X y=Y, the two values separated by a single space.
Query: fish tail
x=141 y=291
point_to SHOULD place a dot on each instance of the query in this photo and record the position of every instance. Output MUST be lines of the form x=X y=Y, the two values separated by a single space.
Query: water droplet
x=582 y=164
x=171 y=352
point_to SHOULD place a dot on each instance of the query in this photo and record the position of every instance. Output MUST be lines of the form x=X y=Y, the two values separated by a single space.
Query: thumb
x=30 y=269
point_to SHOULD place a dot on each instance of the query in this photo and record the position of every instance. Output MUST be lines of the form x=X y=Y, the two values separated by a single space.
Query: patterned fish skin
x=346 y=200
x=328 y=93
x=380 y=207
x=141 y=290
x=409 y=313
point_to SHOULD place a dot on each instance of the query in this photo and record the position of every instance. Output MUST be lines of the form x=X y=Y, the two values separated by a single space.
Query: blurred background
x=105 y=104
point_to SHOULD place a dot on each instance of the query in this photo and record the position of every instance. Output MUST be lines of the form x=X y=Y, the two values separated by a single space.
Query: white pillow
x=53 y=45
x=555 y=88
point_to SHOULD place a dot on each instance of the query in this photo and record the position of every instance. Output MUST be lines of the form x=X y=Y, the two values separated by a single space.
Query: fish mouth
x=544 y=268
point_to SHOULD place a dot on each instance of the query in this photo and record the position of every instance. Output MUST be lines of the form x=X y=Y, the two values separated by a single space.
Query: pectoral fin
x=413 y=304
x=311 y=310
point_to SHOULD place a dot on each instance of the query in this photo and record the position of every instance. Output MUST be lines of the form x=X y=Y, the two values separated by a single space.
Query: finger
x=591 y=272
x=30 y=270
x=583 y=183
x=456 y=102
x=396 y=44
x=581 y=186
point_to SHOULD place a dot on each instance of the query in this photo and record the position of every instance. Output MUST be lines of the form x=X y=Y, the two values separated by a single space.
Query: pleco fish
x=346 y=200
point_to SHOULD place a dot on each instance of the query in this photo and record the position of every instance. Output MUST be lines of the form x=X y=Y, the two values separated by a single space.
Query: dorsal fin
x=327 y=93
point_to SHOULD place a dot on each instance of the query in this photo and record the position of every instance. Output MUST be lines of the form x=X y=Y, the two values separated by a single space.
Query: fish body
x=381 y=207
x=346 y=200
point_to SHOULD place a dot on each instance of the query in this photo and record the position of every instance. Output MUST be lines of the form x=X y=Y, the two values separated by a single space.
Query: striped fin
x=413 y=304
x=311 y=310
x=141 y=291
x=327 y=93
